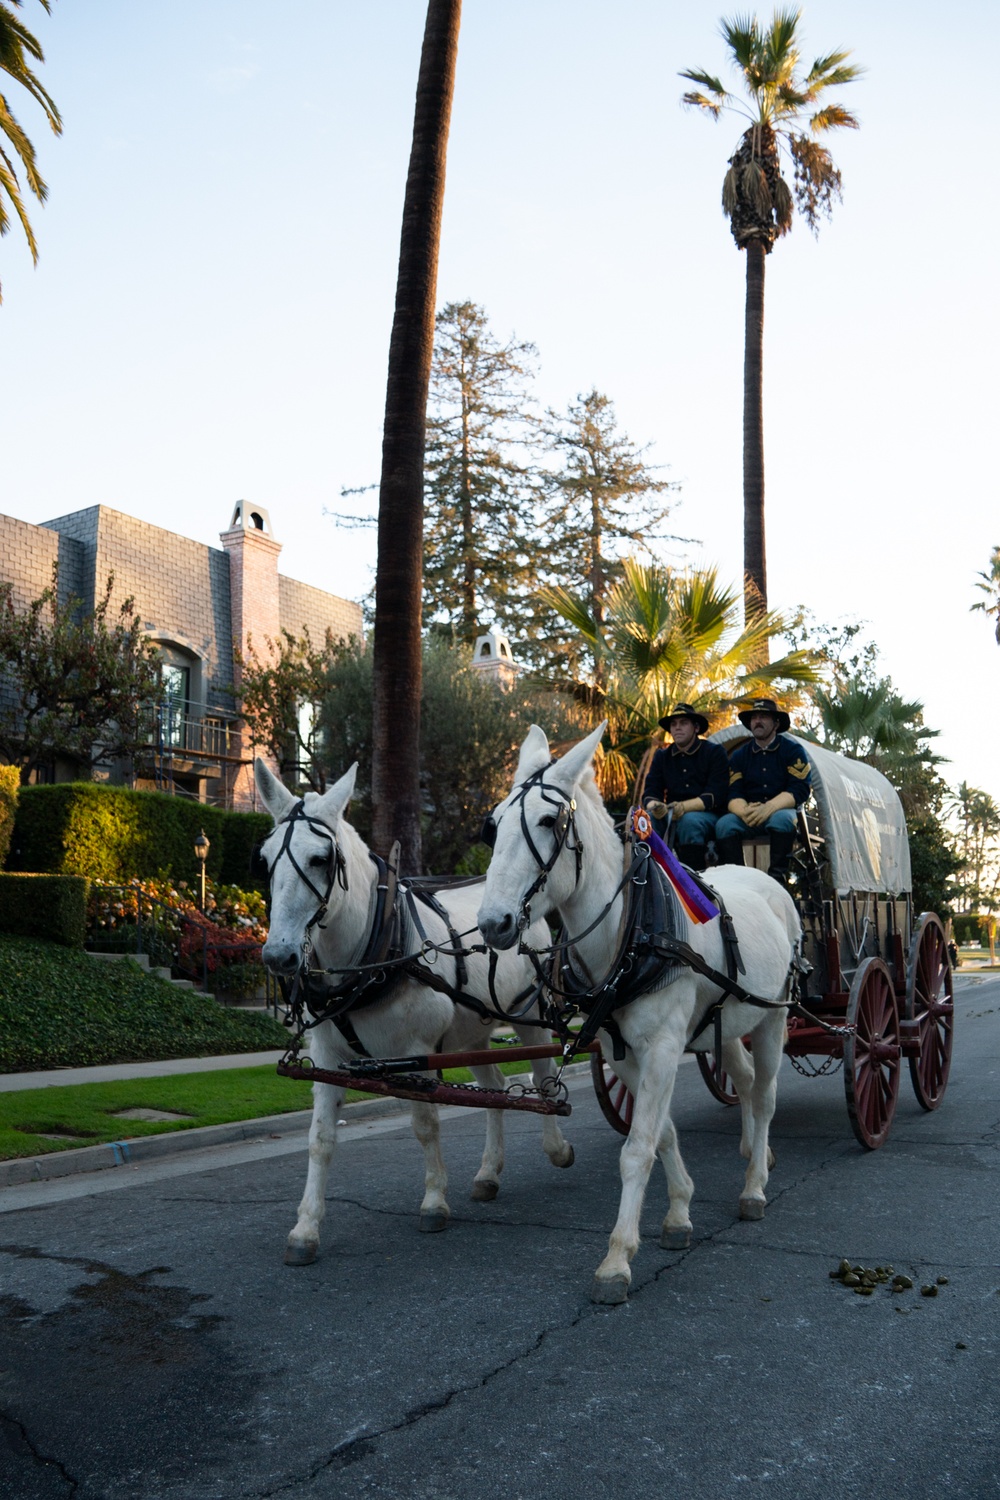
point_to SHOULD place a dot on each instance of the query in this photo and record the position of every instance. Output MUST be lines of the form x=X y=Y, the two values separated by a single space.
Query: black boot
x=694 y=856
x=781 y=853
x=729 y=851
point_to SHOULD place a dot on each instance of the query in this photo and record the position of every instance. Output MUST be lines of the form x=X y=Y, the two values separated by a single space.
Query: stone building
x=194 y=603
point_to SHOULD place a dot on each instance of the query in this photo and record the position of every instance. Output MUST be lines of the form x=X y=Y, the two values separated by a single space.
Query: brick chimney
x=253 y=577
x=255 y=610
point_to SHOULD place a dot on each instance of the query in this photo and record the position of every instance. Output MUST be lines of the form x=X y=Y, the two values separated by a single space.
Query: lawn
x=61 y=1008
x=59 y=1118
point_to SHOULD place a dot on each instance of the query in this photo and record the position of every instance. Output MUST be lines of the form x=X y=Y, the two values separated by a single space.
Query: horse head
x=537 y=845
x=307 y=859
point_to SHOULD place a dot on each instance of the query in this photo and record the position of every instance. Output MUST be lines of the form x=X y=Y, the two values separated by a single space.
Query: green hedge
x=51 y=907
x=967 y=929
x=59 y=1009
x=111 y=833
x=10 y=783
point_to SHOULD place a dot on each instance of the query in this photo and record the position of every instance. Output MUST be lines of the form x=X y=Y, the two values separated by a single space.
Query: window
x=174 y=708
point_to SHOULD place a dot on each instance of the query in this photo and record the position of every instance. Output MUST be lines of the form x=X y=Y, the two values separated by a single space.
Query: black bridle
x=336 y=864
x=563 y=824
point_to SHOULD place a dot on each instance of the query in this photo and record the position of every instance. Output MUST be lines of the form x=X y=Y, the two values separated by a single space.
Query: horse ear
x=333 y=801
x=534 y=753
x=568 y=771
x=276 y=798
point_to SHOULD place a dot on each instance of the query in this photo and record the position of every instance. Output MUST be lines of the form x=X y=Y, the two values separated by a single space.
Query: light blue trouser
x=783 y=821
x=694 y=828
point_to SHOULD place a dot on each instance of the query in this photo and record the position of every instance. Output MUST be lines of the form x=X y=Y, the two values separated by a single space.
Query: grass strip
x=63 y=1117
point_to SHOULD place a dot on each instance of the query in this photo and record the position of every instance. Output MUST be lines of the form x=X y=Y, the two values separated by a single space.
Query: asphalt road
x=154 y=1347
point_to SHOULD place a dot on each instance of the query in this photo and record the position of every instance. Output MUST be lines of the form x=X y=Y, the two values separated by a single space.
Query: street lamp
x=201 y=848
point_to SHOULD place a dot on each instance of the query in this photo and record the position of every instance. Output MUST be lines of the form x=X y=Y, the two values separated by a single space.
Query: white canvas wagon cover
x=860 y=817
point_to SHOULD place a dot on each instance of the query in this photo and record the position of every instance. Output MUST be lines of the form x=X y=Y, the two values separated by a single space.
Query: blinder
x=488 y=832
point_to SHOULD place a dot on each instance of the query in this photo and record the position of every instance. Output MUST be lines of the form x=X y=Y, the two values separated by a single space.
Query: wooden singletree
x=399 y=569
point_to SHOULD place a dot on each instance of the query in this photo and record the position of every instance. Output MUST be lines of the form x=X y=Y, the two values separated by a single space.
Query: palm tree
x=870 y=721
x=399 y=569
x=17 y=45
x=670 y=638
x=785 y=109
x=989 y=582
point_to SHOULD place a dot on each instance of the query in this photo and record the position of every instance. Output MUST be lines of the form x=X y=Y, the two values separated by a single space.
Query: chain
x=551 y=1089
x=808 y=1069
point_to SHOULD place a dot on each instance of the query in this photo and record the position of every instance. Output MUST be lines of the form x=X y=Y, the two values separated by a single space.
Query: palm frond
x=833 y=117
x=698 y=101
x=574 y=610
x=706 y=81
x=742 y=36
x=826 y=64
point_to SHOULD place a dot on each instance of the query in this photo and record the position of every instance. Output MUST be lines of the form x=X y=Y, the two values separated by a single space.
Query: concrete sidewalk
x=60 y=1077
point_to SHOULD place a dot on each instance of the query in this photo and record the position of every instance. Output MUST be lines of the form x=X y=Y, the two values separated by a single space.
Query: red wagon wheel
x=612 y=1095
x=930 y=1002
x=718 y=1086
x=872 y=1053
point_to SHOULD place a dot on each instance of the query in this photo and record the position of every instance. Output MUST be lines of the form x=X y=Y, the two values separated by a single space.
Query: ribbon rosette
x=693 y=899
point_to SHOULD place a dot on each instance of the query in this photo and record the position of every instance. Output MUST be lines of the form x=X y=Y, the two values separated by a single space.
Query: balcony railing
x=210 y=735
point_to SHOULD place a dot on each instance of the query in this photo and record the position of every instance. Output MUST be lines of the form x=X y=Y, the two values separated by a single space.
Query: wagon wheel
x=720 y=1088
x=872 y=1053
x=930 y=1001
x=612 y=1095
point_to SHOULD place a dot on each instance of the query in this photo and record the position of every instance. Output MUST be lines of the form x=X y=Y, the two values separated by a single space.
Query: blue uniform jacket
x=758 y=775
x=676 y=775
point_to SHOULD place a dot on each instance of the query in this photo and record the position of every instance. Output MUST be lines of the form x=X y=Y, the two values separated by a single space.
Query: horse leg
x=768 y=1041
x=434 y=1210
x=303 y=1242
x=739 y=1065
x=657 y=1072
x=676 y=1231
x=486 y=1183
x=555 y=1145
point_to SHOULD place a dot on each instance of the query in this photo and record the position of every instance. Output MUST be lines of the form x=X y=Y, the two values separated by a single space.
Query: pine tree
x=604 y=501
x=480 y=556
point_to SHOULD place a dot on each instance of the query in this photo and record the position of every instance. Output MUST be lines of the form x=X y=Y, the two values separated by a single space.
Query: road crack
x=20 y=1441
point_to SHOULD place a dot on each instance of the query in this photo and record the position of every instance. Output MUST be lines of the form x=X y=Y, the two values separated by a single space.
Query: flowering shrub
x=223 y=941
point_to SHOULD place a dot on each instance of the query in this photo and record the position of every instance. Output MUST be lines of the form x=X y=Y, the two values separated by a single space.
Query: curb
x=143 y=1148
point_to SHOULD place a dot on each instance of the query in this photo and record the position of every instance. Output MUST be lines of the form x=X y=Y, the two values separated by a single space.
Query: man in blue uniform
x=768 y=781
x=689 y=779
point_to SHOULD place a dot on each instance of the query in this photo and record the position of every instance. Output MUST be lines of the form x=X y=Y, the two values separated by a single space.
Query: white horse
x=304 y=855
x=557 y=803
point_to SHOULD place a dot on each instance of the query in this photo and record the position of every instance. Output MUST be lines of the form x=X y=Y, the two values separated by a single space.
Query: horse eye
x=319 y=860
x=547 y=822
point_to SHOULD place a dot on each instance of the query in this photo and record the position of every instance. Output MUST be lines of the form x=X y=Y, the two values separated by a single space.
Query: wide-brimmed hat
x=765 y=706
x=685 y=711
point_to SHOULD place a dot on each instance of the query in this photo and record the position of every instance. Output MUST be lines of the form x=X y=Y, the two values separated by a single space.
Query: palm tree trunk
x=754 y=556
x=399 y=570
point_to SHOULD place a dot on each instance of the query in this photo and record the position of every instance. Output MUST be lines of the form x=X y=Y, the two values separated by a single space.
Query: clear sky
x=209 y=319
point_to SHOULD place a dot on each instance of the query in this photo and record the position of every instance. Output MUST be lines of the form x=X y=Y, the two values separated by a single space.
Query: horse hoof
x=566 y=1160
x=752 y=1208
x=484 y=1192
x=609 y=1290
x=675 y=1239
x=300 y=1255
x=433 y=1223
